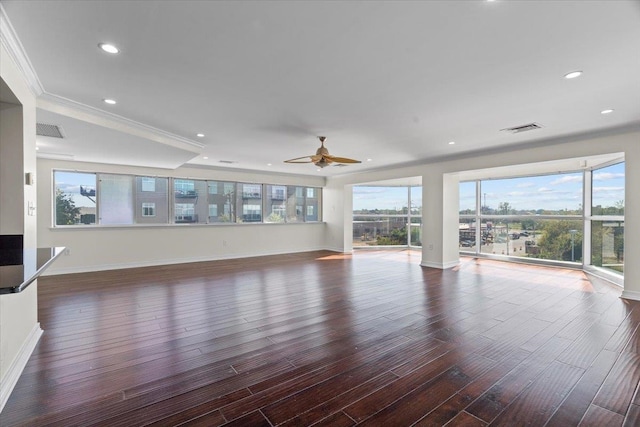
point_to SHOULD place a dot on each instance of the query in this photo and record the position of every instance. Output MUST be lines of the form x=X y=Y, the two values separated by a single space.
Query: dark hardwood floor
x=324 y=339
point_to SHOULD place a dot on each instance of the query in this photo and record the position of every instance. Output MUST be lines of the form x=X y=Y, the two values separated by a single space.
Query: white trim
x=9 y=39
x=634 y=295
x=601 y=273
x=106 y=267
x=67 y=107
x=17 y=366
x=440 y=265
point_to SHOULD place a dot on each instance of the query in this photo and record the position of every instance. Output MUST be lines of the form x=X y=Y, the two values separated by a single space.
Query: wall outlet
x=431 y=246
x=224 y=243
x=67 y=252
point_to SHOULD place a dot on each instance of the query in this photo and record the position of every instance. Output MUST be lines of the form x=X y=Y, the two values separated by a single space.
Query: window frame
x=170 y=201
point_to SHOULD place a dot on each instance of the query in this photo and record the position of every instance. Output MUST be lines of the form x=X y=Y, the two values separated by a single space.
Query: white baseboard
x=634 y=295
x=155 y=263
x=440 y=265
x=17 y=366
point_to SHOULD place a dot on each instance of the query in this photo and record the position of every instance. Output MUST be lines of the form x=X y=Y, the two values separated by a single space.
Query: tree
x=398 y=236
x=66 y=211
x=504 y=208
x=555 y=242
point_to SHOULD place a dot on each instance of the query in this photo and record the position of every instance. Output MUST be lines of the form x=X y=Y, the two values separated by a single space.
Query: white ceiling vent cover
x=522 y=128
x=52 y=131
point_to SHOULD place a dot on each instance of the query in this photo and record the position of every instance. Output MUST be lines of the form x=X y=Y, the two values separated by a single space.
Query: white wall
x=19 y=328
x=440 y=207
x=101 y=248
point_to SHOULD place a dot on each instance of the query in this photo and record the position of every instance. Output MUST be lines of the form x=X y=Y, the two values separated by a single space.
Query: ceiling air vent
x=228 y=162
x=523 y=128
x=52 y=131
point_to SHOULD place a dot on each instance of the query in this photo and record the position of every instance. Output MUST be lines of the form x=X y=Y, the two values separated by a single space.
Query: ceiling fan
x=322 y=157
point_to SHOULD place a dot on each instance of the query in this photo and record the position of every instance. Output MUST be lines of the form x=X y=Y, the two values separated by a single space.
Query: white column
x=632 y=223
x=440 y=200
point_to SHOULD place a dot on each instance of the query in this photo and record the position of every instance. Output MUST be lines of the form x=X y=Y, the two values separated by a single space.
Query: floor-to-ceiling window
x=387 y=216
x=607 y=217
x=569 y=217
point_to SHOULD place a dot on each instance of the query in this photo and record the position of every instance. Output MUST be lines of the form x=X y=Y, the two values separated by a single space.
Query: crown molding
x=67 y=107
x=57 y=104
x=10 y=41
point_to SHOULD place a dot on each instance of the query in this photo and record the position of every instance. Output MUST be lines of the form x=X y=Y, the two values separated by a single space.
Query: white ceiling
x=389 y=81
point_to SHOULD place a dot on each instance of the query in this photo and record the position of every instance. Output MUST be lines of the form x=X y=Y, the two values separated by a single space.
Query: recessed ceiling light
x=319 y=169
x=37 y=148
x=268 y=164
x=452 y=142
x=368 y=160
x=109 y=101
x=205 y=157
x=200 y=135
x=109 y=48
x=573 y=75
x=608 y=111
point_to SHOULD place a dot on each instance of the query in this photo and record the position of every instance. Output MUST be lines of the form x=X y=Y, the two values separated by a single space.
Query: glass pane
x=75 y=198
x=116 y=199
x=313 y=205
x=551 y=239
x=416 y=201
x=190 y=201
x=607 y=245
x=380 y=200
x=221 y=201
x=467 y=235
x=416 y=235
x=607 y=191
x=468 y=198
x=558 y=194
x=295 y=204
x=152 y=190
x=276 y=203
x=250 y=202
x=379 y=231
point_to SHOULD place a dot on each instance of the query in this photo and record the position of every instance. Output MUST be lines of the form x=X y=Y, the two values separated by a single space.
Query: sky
x=385 y=197
x=70 y=183
x=551 y=192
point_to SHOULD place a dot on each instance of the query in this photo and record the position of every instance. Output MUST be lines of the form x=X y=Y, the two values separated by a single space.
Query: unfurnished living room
x=310 y=213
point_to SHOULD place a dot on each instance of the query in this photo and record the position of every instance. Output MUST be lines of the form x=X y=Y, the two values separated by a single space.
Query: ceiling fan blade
x=341 y=159
x=300 y=160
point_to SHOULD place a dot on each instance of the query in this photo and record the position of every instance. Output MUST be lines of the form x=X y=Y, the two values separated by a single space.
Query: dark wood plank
x=597 y=416
x=321 y=338
x=538 y=402
x=573 y=408
x=619 y=387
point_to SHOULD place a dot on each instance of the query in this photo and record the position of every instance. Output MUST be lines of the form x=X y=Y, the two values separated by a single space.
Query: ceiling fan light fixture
x=322 y=158
x=109 y=48
x=573 y=75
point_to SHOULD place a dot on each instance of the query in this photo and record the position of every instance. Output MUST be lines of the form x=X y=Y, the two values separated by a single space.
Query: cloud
x=545 y=190
x=516 y=193
x=567 y=178
x=526 y=185
x=607 y=189
x=606 y=176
